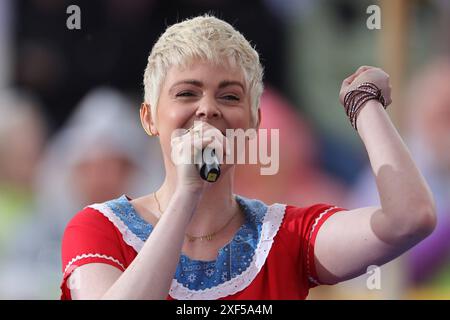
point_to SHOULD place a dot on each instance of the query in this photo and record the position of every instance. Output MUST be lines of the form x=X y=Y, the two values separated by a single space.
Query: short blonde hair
x=205 y=37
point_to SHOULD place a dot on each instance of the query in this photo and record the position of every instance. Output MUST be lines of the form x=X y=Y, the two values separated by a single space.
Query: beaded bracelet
x=355 y=99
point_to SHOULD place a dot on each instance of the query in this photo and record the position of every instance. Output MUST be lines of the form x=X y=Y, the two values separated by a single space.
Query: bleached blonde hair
x=210 y=39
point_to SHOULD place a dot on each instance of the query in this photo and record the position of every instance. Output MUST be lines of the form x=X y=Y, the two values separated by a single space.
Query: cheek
x=238 y=118
x=173 y=117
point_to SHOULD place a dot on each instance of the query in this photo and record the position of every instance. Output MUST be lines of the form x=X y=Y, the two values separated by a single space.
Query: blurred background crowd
x=70 y=132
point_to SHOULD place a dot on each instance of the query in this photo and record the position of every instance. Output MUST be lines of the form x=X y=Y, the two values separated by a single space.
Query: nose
x=208 y=109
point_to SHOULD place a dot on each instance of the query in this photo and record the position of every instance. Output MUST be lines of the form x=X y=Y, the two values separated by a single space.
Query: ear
x=146 y=120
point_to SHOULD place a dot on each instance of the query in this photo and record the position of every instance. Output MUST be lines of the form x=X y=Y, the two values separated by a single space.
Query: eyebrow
x=197 y=83
x=227 y=83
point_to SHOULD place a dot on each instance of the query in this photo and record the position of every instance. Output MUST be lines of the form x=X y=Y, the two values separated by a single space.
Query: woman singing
x=194 y=239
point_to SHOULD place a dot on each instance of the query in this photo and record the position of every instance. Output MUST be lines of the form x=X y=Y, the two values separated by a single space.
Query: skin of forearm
x=405 y=197
x=150 y=274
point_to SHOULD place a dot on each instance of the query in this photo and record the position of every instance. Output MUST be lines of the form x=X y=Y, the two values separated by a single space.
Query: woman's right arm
x=153 y=267
x=150 y=274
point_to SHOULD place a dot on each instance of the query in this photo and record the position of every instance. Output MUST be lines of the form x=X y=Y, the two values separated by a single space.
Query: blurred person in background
x=93 y=158
x=22 y=139
x=74 y=163
x=429 y=138
x=300 y=179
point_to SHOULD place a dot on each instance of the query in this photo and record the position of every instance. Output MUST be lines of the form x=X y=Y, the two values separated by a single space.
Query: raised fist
x=367 y=74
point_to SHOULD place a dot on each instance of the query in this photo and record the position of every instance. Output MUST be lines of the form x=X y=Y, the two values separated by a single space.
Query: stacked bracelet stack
x=354 y=100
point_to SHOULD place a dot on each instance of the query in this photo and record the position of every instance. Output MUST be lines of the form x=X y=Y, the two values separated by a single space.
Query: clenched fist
x=367 y=74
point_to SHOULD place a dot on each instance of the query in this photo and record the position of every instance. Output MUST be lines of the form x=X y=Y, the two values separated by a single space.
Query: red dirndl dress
x=270 y=257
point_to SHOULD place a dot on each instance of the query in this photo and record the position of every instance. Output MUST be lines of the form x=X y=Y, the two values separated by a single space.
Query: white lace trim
x=92 y=255
x=308 y=270
x=128 y=236
x=271 y=224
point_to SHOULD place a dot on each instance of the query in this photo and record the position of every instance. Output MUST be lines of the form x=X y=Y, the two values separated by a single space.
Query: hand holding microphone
x=208 y=164
x=196 y=153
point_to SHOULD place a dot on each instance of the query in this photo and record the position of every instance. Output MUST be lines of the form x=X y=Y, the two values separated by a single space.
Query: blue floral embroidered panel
x=232 y=260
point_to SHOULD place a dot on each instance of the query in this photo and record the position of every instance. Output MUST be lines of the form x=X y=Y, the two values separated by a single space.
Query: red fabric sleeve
x=302 y=226
x=89 y=238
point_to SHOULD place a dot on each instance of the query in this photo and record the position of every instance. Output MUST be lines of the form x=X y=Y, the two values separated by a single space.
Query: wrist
x=182 y=205
x=191 y=191
x=368 y=115
x=355 y=100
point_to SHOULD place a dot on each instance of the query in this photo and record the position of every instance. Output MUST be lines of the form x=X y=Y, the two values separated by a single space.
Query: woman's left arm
x=350 y=241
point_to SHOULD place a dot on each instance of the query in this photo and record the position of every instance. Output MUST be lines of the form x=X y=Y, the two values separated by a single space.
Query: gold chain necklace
x=209 y=236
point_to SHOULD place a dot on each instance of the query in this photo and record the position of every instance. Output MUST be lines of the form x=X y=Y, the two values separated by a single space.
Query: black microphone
x=209 y=171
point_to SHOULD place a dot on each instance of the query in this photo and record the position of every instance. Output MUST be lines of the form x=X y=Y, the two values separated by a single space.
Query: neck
x=216 y=206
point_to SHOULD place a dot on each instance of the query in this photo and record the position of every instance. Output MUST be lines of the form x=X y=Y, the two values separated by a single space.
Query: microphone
x=209 y=171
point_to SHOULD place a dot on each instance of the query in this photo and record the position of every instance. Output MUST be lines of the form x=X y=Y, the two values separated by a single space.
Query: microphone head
x=209 y=171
